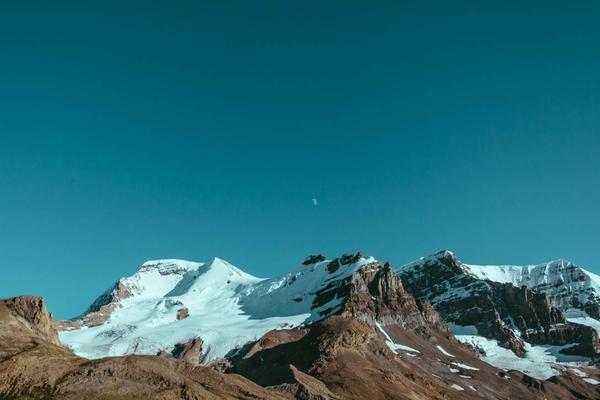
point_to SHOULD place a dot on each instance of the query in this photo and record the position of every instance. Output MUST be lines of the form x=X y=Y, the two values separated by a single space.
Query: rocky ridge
x=506 y=310
x=346 y=328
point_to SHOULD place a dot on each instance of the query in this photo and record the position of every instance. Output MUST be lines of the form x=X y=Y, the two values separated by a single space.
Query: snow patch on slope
x=541 y=362
x=394 y=347
x=444 y=352
x=580 y=317
x=591 y=381
x=465 y=366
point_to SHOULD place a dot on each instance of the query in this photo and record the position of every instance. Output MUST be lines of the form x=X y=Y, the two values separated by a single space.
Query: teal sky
x=131 y=131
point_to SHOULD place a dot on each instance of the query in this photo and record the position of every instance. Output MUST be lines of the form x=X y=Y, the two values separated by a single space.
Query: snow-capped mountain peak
x=167 y=266
x=167 y=302
x=223 y=266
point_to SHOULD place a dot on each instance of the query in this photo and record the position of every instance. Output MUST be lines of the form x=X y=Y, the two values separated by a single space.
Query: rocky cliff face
x=28 y=314
x=500 y=310
x=100 y=310
x=375 y=293
x=191 y=351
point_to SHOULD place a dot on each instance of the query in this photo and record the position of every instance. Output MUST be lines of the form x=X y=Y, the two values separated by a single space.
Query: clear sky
x=131 y=131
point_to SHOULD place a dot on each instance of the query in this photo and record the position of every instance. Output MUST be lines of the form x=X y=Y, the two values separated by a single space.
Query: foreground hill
x=33 y=365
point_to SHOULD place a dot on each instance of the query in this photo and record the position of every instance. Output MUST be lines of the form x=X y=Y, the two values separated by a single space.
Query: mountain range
x=350 y=327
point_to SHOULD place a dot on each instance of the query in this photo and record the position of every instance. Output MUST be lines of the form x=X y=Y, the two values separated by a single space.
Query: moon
x=314 y=202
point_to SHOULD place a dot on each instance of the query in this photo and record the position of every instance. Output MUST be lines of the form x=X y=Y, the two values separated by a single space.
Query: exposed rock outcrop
x=190 y=351
x=375 y=293
x=100 y=310
x=182 y=313
x=313 y=259
x=118 y=292
x=28 y=313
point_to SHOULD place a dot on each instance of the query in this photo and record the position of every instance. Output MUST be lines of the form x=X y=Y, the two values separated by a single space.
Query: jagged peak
x=314 y=259
x=178 y=266
x=479 y=270
x=169 y=265
x=220 y=264
x=217 y=262
x=431 y=259
x=563 y=262
x=513 y=273
x=349 y=261
x=444 y=253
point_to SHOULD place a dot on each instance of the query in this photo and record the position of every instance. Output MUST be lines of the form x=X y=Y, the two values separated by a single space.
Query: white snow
x=540 y=362
x=456 y=387
x=556 y=278
x=444 y=352
x=579 y=373
x=227 y=307
x=465 y=366
x=405 y=348
x=394 y=347
x=591 y=381
x=585 y=320
x=500 y=273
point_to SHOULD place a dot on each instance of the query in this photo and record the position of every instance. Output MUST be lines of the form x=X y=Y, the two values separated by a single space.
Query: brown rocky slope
x=354 y=353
